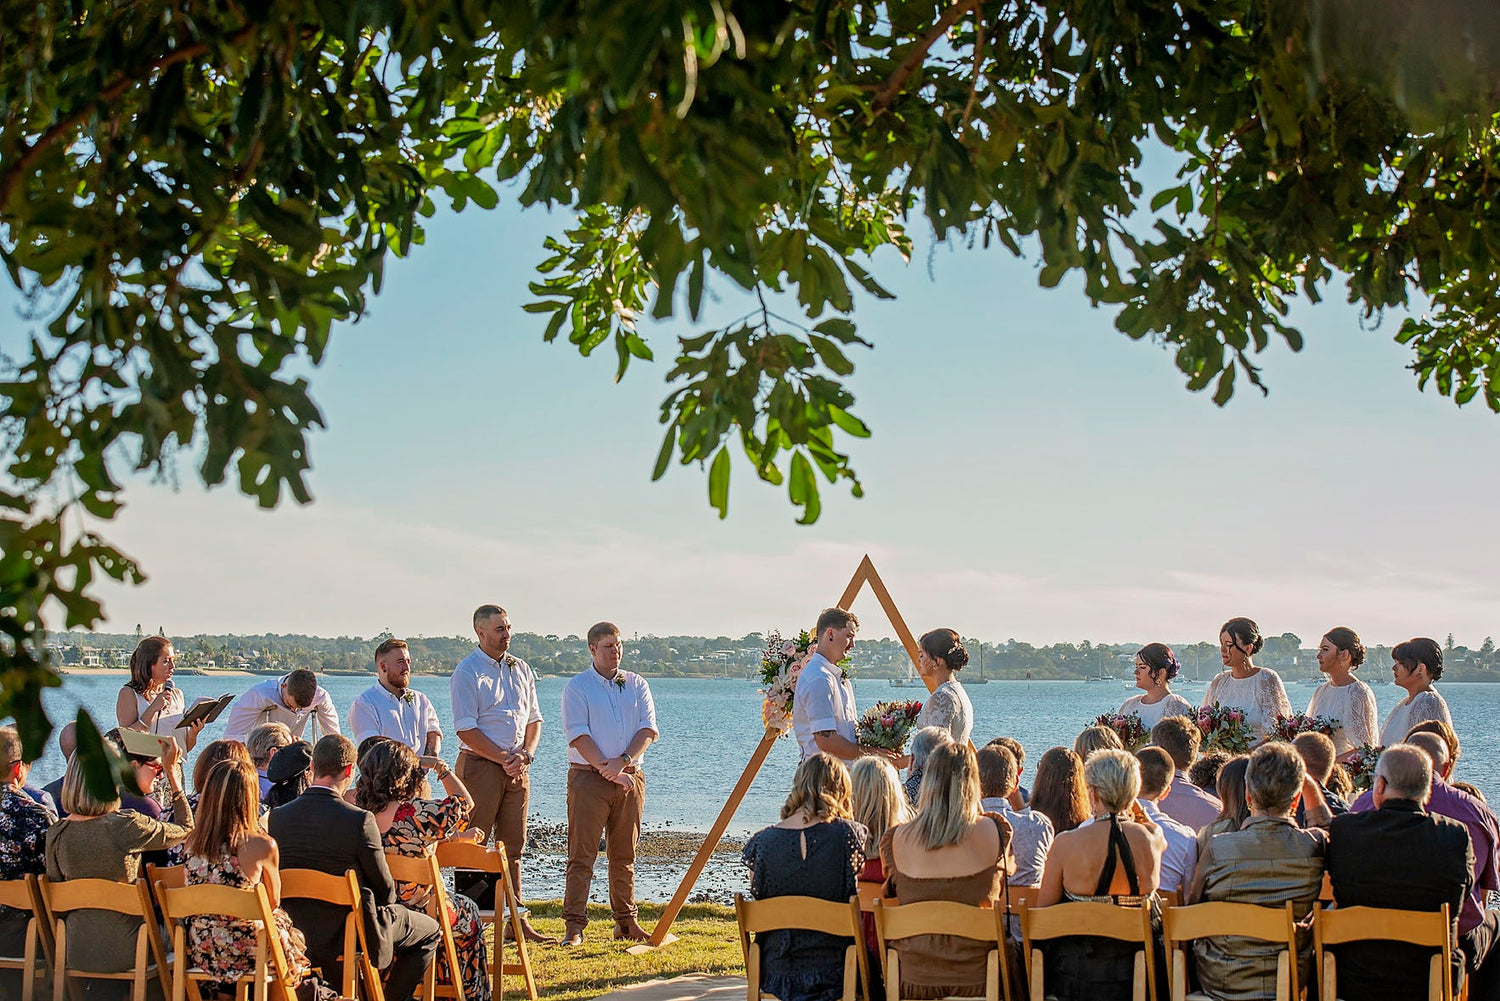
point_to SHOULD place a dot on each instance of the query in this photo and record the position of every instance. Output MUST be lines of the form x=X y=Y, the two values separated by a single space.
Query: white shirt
x=1353 y=705
x=262 y=704
x=378 y=713
x=612 y=714
x=1181 y=857
x=823 y=701
x=1153 y=713
x=498 y=700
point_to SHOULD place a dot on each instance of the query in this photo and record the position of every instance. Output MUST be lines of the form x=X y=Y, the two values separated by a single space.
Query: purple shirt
x=1484 y=833
x=1189 y=805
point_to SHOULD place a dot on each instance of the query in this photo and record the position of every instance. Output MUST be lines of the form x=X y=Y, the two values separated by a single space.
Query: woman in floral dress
x=393 y=786
x=227 y=848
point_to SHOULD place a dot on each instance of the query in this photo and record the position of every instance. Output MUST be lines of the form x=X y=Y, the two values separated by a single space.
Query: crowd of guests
x=1164 y=824
x=263 y=800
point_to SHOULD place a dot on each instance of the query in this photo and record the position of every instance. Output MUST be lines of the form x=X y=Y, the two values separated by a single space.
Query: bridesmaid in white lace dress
x=1416 y=664
x=1256 y=690
x=1156 y=666
x=1344 y=697
x=940 y=656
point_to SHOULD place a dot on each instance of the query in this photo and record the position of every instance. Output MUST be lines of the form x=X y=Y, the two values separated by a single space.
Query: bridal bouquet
x=1225 y=729
x=1361 y=766
x=887 y=724
x=1288 y=727
x=1128 y=726
x=780 y=665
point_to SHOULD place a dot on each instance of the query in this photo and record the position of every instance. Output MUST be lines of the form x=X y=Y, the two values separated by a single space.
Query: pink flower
x=789 y=649
x=1237 y=715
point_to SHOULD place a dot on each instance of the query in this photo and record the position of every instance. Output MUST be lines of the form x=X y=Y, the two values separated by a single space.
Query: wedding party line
x=337 y=804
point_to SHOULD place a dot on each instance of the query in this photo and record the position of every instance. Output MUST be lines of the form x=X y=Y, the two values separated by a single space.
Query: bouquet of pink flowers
x=780 y=665
x=887 y=724
x=1132 y=732
x=1288 y=727
x=1361 y=766
x=1225 y=729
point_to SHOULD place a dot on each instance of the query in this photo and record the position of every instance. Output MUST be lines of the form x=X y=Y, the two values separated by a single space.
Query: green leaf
x=718 y=483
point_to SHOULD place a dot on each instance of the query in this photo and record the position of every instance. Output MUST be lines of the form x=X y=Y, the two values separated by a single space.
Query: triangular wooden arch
x=864 y=574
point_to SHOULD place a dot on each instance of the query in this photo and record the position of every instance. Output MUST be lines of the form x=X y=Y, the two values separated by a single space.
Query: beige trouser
x=499 y=807
x=598 y=806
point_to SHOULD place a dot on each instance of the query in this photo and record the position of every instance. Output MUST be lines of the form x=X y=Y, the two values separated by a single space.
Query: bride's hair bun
x=946 y=646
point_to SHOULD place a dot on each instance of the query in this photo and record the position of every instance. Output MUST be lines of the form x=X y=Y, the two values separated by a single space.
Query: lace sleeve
x=1132 y=705
x=1359 y=726
x=1427 y=705
x=1273 y=700
x=1212 y=695
x=942 y=709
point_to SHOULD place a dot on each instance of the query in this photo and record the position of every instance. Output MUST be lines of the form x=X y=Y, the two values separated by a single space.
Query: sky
x=1033 y=474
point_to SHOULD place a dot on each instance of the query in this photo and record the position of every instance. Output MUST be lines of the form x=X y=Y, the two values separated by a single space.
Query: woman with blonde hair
x=948 y=851
x=1110 y=858
x=880 y=804
x=815 y=851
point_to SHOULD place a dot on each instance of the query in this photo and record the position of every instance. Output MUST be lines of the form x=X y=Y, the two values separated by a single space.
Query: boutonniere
x=408 y=696
x=618 y=680
x=843 y=666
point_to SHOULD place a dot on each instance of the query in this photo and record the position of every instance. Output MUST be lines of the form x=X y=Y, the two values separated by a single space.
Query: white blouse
x=1152 y=714
x=1353 y=705
x=1410 y=711
x=1261 y=696
x=171 y=713
x=948 y=706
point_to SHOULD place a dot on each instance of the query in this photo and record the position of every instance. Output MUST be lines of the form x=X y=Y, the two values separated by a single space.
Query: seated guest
x=67 y=743
x=291 y=701
x=1370 y=864
x=1236 y=808
x=879 y=803
x=1478 y=926
x=227 y=848
x=318 y=830
x=215 y=752
x=948 y=851
x=393 y=786
x=289 y=772
x=1205 y=771
x=1184 y=802
x=392 y=708
x=1021 y=798
x=1471 y=789
x=95 y=839
x=1180 y=854
x=263 y=743
x=1030 y=832
x=1450 y=738
x=1058 y=793
x=23 y=842
x=1267 y=862
x=1112 y=859
x=922 y=743
x=815 y=851
x=1318 y=757
x=1096 y=738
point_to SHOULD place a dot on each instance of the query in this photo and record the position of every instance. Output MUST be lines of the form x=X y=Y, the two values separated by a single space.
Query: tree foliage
x=192 y=196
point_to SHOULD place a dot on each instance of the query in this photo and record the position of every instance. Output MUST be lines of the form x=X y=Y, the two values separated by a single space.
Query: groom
x=823 y=713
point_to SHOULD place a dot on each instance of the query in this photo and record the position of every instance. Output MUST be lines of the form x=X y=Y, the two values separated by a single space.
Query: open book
x=205 y=709
x=147 y=745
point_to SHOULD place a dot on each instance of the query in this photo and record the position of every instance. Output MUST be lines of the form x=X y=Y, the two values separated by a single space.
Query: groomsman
x=392 y=708
x=289 y=701
x=610 y=720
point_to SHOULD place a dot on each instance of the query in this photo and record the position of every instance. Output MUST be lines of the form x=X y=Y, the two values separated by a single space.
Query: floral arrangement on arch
x=1224 y=728
x=1361 y=766
x=1289 y=727
x=1128 y=727
x=887 y=724
x=780 y=665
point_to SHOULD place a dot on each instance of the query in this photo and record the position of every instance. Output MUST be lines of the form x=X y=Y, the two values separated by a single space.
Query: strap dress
x=1089 y=968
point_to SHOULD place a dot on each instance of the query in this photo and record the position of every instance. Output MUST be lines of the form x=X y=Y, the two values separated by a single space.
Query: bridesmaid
x=1156 y=666
x=940 y=656
x=1255 y=690
x=1417 y=663
x=1344 y=697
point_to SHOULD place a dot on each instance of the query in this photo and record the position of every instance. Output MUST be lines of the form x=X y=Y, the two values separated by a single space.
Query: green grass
x=708 y=942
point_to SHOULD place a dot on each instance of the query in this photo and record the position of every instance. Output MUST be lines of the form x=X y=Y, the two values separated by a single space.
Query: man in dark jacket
x=318 y=830
x=1399 y=856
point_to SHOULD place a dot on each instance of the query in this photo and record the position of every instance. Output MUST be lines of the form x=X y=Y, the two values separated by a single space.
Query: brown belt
x=629 y=769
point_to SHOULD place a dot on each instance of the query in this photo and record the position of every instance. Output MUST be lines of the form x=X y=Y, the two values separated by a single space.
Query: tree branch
x=917 y=55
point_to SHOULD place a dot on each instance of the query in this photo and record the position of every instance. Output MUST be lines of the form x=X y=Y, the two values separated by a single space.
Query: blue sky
x=1033 y=474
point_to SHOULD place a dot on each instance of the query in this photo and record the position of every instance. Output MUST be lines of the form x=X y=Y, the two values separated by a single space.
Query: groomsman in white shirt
x=392 y=708
x=289 y=701
x=609 y=721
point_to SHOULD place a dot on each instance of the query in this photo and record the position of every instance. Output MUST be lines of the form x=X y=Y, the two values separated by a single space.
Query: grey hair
x=1407 y=771
x=1114 y=776
x=924 y=741
x=264 y=739
x=1274 y=777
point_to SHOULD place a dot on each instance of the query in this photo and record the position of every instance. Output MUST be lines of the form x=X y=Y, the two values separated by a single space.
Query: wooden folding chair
x=424 y=872
x=171 y=876
x=1099 y=920
x=1339 y=925
x=940 y=917
x=341 y=891
x=869 y=893
x=492 y=859
x=1268 y=924
x=808 y=914
x=268 y=978
x=25 y=895
x=62 y=898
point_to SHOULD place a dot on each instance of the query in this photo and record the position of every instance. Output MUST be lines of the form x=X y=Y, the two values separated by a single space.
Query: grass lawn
x=708 y=942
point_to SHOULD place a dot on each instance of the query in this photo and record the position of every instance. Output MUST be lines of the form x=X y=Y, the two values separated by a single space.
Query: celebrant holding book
x=823 y=714
x=150 y=703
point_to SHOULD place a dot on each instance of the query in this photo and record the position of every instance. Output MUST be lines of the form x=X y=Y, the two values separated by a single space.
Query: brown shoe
x=631 y=929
